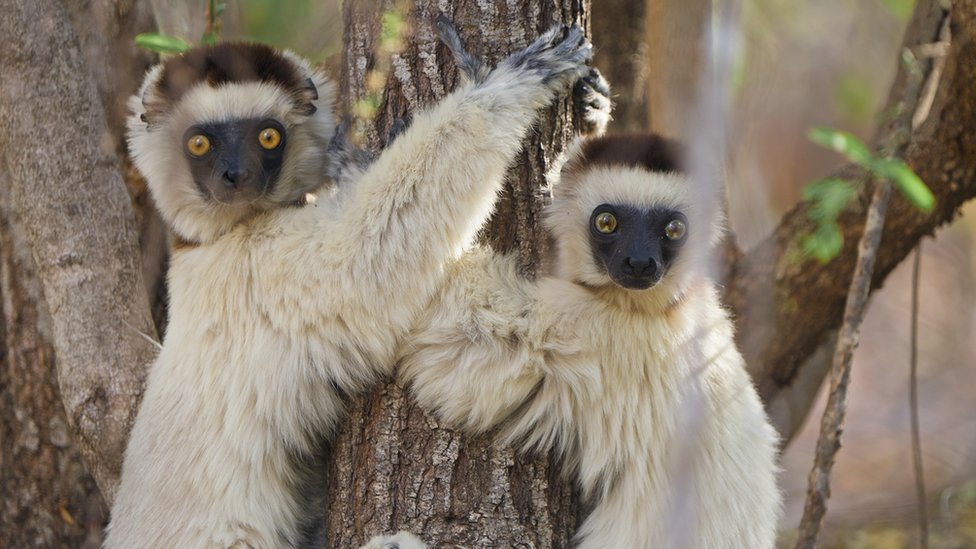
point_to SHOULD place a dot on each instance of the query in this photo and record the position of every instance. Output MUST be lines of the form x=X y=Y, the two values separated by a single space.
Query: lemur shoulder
x=278 y=309
x=622 y=360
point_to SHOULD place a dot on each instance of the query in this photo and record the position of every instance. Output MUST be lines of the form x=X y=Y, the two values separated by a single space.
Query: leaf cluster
x=828 y=197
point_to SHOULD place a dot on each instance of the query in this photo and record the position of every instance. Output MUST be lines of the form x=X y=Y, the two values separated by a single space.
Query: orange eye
x=270 y=138
x=605 y=222
x=198 y=145
x=675 y=229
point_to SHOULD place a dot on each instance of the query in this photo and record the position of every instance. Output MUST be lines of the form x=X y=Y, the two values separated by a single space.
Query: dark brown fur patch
x=234 y=62
x=648 y=151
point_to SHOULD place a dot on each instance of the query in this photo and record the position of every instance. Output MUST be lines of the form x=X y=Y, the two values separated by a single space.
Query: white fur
x=643 y=393
x=275 y=308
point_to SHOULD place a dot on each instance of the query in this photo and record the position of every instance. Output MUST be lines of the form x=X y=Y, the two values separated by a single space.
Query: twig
x=923 y=522
x=831 y=425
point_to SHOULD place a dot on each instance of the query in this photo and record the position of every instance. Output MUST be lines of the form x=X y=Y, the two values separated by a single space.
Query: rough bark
x=49 y=499
x=65 y=185
x=787 y=306
x=621 y=53
x=394 y=466
x=106 y=30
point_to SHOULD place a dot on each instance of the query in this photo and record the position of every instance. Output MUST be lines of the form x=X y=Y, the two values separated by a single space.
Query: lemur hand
x=559 y=56
x=591 y=103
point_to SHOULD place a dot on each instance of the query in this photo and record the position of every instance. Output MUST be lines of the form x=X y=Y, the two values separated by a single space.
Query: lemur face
x=238 y=161
x=624 y=215
x=636 y=246
x=224 y=132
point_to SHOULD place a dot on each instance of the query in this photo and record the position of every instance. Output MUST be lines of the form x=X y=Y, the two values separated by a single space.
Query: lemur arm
x=479 y=354
x=425 y=196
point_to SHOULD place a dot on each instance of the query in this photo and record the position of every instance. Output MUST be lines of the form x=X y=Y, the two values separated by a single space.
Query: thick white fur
x=275 y=309
x=643 y=393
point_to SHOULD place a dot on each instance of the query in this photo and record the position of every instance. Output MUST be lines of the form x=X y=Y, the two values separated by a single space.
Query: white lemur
x=623 y=360
x=277 y=312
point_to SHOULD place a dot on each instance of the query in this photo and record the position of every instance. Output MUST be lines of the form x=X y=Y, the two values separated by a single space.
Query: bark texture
x=395 y=467
x=49 y=499
x=65 y=185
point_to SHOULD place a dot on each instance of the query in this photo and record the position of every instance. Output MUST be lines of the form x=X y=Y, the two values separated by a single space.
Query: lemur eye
x=675 y=230
x=198 y=145
x=270 y=138
x=605 y=222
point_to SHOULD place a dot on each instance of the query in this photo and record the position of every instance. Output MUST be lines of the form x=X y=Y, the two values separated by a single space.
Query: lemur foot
x=401 y=540
x=591 y=101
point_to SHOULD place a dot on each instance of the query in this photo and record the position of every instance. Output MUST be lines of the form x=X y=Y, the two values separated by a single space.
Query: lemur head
x=623 y=215
x=222 y=132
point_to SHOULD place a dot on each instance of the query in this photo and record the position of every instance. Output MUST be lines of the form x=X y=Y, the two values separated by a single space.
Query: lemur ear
x=305 y=96
x=154 y=104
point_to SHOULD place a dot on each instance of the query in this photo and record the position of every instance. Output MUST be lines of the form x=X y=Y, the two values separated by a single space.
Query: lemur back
x=623 y=360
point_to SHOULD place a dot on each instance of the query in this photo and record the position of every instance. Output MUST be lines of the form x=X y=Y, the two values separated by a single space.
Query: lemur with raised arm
x=279 y=308
x=622 y=360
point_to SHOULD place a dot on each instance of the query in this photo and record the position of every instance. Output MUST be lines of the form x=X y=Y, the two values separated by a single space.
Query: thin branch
x=785 y=308
x=831 y=425
x=923 y=523
x=832 y=422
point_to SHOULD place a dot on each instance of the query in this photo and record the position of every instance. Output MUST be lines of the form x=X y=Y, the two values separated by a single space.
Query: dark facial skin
x=235 y=168
x=636 y=246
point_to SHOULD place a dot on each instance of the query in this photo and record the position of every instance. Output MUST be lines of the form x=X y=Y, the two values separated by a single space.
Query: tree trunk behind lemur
x=394 y=466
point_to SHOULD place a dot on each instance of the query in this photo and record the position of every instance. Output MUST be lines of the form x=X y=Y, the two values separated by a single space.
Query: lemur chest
x=638 y=388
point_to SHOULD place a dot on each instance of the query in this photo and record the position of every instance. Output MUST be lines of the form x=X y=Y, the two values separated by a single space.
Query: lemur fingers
x=591 y=100
x=559 y=56
x=472 y=68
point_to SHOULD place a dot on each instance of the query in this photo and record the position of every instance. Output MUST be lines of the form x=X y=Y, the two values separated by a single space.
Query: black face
x=635 y=246
x=235 y=162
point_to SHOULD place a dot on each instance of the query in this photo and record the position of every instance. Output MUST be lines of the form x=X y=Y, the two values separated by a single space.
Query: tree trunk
x=63 y=180
x=49 y=498
x=394 y=466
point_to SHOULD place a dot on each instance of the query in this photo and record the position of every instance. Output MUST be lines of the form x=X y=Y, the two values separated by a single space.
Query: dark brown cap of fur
x=233 y=62
x=647 y=151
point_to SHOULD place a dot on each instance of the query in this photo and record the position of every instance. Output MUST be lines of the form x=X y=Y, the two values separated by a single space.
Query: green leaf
x=208 y=38
x=824 y=243
x=162 y=43
x=842 y=142
x=907 y=181
x=827 y=198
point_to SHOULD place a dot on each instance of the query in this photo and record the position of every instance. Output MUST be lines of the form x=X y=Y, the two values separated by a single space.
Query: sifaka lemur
x=622 y=360
x=279 y=308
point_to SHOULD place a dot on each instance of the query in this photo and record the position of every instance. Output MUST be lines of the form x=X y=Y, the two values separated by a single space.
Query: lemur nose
x=235 y=178
x=640 y=265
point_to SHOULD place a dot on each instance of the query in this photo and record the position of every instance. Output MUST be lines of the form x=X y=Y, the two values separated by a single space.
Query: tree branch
x=787 y=306
x=65 y=183
x=831 y=425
